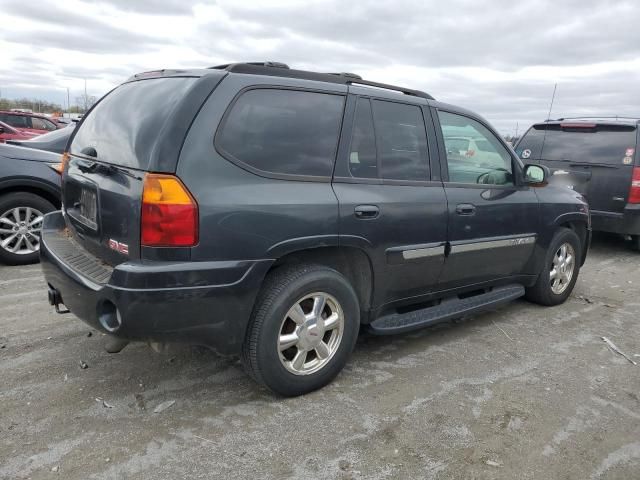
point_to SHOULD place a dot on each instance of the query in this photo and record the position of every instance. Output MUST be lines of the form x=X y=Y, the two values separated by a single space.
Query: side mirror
x=536 y=174
x=1 y=129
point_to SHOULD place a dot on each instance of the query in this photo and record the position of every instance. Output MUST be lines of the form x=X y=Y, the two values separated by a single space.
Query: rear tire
x=559 y=275
x=20 y=224
x=303 y=328
x=635 y=242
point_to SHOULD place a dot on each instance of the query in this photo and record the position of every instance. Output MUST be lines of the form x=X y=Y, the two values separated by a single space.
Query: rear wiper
x=105 y=168
x=111 y=169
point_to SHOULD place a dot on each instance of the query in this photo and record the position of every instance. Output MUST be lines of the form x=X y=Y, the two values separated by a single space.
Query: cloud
x=151 y=7
x=500 y=59
x=67 y=29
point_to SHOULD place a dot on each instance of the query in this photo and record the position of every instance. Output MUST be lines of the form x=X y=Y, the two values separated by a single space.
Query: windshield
x=600 y=144
x=123 y=127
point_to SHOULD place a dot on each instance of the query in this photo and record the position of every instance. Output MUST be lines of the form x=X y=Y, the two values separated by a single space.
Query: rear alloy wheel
x=304 y=326
x=311 y=333
x=560 y=272
x=21 y=216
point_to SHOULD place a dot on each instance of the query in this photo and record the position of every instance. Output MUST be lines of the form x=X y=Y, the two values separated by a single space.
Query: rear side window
x=17 y=121
x=402 y=140
x=389 y=141
x=286 y=132
x=608 y=144
x=363 y=159
x=125 y=125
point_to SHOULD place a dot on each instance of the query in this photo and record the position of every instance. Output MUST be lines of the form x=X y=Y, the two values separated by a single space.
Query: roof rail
x=230 y=66
x=282 y=70
x=406 y=91
x=346 y=75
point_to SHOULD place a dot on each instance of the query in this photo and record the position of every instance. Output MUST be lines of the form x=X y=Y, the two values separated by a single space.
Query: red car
x=7 y=132
x=28 y=122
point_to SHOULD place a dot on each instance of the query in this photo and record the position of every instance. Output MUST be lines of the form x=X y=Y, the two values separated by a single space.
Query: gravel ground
x=522 y=392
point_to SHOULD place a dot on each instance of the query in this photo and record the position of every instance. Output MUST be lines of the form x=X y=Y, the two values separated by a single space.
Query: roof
x=28 y=114
x=278 y=69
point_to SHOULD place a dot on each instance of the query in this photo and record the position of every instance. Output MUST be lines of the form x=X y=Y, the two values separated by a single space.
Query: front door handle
x=465 y=209
x=366 y=211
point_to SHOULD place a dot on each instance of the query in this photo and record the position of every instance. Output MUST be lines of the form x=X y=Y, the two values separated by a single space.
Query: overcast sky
x=499 y=58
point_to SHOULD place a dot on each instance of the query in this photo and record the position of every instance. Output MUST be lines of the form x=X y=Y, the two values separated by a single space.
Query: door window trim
x=516 y=167
x=274 y=175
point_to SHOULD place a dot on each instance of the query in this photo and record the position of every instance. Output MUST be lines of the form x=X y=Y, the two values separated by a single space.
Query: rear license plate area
x=85 y=209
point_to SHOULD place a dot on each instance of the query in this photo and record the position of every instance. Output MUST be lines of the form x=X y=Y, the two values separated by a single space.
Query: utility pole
x=68 y=101
x=86 y=101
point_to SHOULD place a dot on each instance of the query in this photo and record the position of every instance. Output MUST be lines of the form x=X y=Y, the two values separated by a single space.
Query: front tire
x=20 y=224
x=560 y=271
x=303 y=328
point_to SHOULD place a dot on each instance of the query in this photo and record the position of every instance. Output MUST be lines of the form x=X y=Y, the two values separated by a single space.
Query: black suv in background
x=597 y=157
x=270 y=212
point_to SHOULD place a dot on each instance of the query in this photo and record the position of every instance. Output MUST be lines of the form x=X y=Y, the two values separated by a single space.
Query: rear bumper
x=625 y=223
x=207 y=303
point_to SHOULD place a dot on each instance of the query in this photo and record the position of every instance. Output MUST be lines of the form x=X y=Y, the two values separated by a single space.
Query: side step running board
x=449 y=308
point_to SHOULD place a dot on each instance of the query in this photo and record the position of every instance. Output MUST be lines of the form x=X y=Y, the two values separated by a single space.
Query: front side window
x=389 y=141
x=474 y=154
x=283 y=131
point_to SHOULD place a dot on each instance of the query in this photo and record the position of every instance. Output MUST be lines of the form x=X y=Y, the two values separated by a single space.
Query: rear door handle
x=367 y=211
x=465 y=209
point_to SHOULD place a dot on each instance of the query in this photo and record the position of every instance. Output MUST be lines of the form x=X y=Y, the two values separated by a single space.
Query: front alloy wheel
x=562 y=268
x=559 y=271
x=20 y=230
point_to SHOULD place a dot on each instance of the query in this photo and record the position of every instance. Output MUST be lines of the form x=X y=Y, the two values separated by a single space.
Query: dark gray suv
x=270 y=212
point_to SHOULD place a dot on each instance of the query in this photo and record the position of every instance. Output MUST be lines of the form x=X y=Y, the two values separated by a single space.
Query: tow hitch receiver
x=55 y=299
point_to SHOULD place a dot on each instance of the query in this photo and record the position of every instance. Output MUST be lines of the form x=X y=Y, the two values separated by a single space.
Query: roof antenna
x=544 y=136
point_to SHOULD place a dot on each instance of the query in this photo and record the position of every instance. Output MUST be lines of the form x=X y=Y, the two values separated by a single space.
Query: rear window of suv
x=597 y=144
x=124 y=126
x=283 y=132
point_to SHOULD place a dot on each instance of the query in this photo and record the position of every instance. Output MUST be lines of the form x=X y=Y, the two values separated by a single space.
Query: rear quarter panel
x=243 y=215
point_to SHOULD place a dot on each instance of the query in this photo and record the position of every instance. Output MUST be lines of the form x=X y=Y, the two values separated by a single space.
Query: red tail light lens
x=169 y=213
x=634 y=191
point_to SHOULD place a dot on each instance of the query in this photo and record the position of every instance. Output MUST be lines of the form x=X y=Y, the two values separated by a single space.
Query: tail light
x=169 y=213
x=634 y=191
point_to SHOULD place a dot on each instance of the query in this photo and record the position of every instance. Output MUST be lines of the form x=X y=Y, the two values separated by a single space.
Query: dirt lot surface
x=522 y=392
